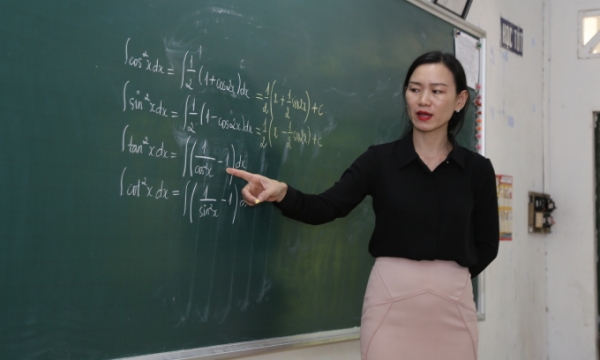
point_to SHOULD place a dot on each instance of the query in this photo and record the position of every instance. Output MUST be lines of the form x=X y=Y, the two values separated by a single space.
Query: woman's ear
x=461 y=100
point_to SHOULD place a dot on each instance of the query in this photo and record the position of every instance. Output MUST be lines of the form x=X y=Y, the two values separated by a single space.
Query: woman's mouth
x=424 y=115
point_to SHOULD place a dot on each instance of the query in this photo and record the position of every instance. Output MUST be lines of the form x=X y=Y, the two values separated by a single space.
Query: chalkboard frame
x=256 y=347
x=319 y=338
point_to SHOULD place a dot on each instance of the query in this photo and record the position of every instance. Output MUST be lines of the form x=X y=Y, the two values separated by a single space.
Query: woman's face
x=431 y=98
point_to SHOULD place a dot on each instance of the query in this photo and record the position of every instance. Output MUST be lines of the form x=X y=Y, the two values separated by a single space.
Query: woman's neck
x=432 y=147
x=433 y=144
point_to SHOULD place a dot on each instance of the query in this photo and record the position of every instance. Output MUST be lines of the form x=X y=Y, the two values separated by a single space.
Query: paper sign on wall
x=467 y=52
x=504 y=191
x=512 y=37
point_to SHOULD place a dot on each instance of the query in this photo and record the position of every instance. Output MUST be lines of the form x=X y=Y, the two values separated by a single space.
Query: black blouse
x=450 y=213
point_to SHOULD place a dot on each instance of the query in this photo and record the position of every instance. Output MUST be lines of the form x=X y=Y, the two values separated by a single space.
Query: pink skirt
x=418 y=310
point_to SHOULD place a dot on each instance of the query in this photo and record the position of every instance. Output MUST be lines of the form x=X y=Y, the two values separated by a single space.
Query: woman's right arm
x=335 y=202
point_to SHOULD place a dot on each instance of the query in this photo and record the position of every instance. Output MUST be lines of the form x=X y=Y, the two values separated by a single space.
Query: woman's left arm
x=485 y=217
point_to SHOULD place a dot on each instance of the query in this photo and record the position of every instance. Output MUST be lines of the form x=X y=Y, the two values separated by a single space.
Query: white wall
x=515 y=326
x=540 y=292
x=574 y=95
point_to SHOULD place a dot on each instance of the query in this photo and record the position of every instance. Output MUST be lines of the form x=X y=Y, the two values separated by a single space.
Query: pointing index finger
x=240 y=173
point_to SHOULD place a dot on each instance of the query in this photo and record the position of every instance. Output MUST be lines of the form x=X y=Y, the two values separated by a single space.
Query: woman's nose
x=424 y=98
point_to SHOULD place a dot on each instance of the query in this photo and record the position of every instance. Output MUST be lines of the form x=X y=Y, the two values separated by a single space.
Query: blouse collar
x=406 y=151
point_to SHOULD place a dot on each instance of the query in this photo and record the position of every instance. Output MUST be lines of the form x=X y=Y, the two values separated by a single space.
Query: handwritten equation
x=275 y=117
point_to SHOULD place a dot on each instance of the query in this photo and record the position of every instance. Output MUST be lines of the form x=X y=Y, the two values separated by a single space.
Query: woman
x=436 y=221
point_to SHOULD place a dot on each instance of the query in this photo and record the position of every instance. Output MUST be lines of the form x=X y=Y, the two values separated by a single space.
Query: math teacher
x=436 y=221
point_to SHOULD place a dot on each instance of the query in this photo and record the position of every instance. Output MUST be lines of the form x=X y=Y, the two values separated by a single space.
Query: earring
x=457 y=111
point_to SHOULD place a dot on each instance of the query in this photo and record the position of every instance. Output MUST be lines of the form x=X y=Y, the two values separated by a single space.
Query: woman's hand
x=259 y=188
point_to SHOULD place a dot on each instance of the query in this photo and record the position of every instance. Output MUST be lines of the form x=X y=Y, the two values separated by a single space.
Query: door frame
x=596 y=122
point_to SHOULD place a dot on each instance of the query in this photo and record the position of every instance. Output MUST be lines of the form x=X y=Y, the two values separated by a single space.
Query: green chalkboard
x=120 y=232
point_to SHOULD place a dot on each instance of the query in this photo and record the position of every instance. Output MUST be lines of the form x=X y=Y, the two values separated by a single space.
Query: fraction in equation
x=194 y=207
x=196 y=115
x=234 y=87
x=302 y=104
x=268 y=133
x=208 y=207
x=191 y=168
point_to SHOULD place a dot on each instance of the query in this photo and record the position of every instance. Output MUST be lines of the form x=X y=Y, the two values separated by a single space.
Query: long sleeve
x=450 y=213
x=335 y=202
x=486 y=222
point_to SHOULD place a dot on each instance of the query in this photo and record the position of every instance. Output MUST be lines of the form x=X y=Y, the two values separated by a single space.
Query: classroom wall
x=515 y=325
x=574 y=95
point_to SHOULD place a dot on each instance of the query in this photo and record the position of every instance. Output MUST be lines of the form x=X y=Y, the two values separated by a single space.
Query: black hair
x=460 y=79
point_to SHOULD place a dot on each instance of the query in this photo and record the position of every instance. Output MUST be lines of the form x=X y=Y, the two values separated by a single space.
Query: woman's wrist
x=282 y=191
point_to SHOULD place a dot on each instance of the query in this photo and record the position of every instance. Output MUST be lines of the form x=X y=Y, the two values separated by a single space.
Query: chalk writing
x=285 y=101
x=145 y=147
x=142 y=188
x=144 y=62
x=142 y=102
x=260 y=120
